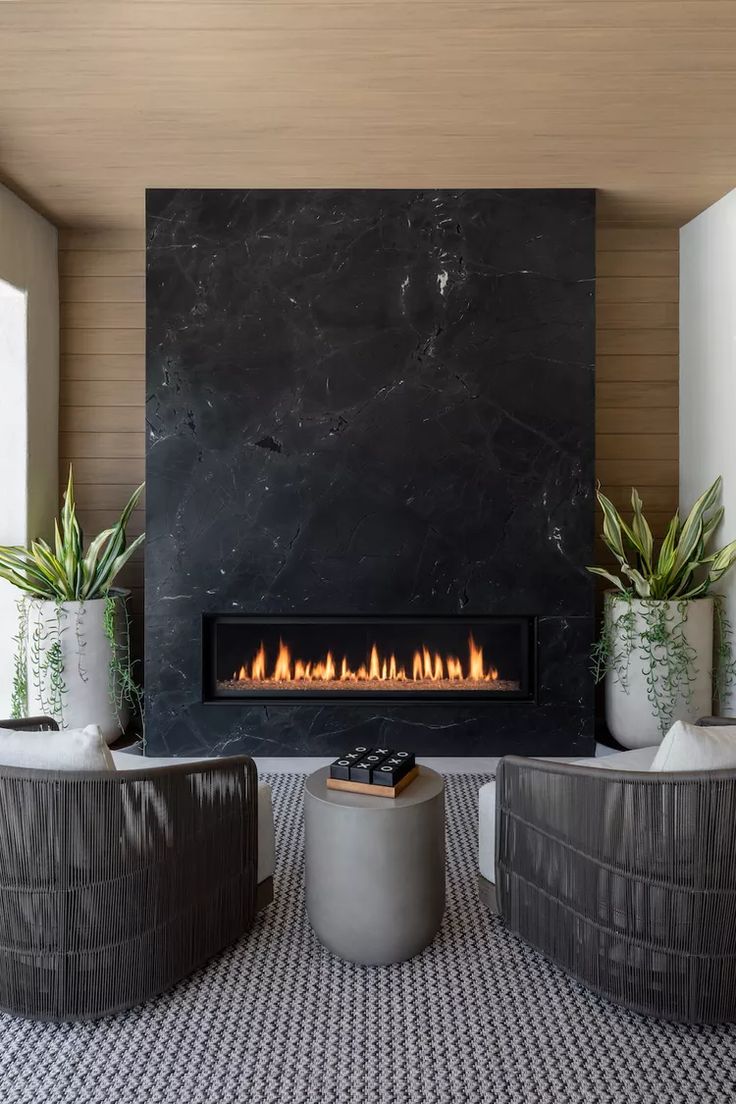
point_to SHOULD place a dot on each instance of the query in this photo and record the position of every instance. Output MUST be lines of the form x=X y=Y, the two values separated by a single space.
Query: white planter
x=630 y=713
x=87 y=694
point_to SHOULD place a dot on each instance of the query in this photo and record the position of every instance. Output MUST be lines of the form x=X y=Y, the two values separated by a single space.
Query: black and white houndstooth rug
x=478 y=1017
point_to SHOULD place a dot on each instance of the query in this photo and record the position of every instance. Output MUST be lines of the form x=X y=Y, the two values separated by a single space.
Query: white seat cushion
x=72 y=749
x=640 y=759
x=266 y=841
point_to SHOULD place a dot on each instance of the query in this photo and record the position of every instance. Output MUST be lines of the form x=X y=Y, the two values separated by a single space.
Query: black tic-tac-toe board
x=373 y=766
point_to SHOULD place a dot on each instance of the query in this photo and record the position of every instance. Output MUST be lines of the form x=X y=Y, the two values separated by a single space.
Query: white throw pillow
x=688 y=747
x=74 y=749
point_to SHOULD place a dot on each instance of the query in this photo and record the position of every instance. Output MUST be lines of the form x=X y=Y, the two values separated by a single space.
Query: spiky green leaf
x=607 y=575
x=125 y=556
x=722 y=561
x=641 y=585
x=611 y=527
x=692 y=529
x=666 y=559
x=711 y=524
x=642 y=532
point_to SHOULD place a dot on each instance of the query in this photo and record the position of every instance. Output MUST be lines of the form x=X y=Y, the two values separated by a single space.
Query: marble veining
x=369 y=402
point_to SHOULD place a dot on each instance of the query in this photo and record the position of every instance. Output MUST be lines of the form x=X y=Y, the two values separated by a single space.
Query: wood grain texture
x=103 y=368
x=89 y=264
x=103 y=471
x=116 y=392
x=370 y=790
x=113 y=289
x=639 y=395
x=636 y=342
x=658 y=499
x=639 y=263
x=638 y=422
x=634 y=96
x=649 y=289
x=96 y=342
x=77 y=420
x=638 y=369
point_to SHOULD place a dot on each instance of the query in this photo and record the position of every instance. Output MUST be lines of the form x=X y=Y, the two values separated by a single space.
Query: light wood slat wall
x=637 y=369
x=101 y=416
x=103 y=368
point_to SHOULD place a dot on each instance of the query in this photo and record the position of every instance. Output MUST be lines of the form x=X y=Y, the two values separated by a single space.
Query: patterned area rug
x=478 y=1017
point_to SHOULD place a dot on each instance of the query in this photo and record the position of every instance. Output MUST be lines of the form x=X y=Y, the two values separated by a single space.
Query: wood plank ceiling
x=635 y=97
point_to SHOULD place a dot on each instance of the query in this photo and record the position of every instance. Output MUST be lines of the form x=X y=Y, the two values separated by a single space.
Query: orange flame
x=282 y=670
x=258 y=668
x=426 y=667
x=476 y=660
x=454 y=668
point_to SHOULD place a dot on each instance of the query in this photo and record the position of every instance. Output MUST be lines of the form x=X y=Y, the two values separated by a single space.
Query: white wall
x=29 y=394
x=708 y=370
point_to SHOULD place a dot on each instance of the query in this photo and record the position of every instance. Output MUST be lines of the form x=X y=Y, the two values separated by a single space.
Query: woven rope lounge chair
x=624 y=878
x=115 y=885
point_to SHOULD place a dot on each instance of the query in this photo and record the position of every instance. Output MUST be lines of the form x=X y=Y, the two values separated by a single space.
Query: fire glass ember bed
x=401 y=658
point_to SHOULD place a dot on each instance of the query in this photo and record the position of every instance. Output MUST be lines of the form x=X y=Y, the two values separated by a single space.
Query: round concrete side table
x=375 y=868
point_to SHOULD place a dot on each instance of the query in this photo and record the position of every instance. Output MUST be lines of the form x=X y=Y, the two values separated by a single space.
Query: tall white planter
x=630 y=712
x=69 y=664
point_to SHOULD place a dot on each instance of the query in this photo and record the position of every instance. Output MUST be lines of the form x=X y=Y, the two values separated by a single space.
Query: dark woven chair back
x=113 y=886
x=626 y=880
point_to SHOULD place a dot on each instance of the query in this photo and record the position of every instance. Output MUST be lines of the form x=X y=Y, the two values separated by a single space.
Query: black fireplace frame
x=529 y=657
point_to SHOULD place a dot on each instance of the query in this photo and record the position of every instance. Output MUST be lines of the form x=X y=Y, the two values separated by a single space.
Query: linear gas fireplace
x=400 y=658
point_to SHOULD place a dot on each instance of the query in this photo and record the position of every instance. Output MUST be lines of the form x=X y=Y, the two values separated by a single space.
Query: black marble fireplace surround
x=369 y=403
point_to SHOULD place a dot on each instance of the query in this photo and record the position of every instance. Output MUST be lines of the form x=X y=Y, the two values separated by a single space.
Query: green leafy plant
x=683 y=568
x=646 y=614
x=63 y=573
x=66 y=573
